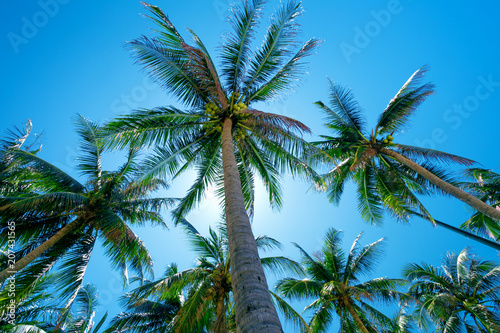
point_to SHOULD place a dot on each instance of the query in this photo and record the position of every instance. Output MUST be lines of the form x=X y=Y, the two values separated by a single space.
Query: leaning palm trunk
x=355 y=316
x=445 y=186
x=254 y=309
x=27 y=259
x=459 y=231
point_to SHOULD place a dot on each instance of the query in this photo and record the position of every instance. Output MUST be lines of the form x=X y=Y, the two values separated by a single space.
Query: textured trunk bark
x=355 y=316
x=254 y=309
x=27 y=259
x=220 y=312
x=445 y=186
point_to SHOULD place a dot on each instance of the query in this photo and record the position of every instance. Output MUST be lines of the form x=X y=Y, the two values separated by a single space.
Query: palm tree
x=486 y=186
x=208 y=303
x=386 y=173
x=220 y=135
x=335 y=283
x=63 y=218
x=150 y=309
x=463 y=292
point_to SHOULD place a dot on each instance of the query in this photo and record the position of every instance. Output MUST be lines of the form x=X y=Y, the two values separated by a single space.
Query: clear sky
x=60 y=57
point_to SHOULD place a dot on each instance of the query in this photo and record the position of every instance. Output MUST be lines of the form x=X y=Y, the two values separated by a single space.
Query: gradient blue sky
x=60 y=58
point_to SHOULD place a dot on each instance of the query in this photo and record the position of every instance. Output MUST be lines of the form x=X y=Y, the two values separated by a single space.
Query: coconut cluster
x=212 y=109
x=240 y=134
x=388 y=139
x=239 y=107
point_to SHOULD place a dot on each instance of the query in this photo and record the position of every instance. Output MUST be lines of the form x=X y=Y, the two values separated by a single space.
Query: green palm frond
x=361 y=261
x=281 y=266
x=335 y=180
x=209 y=167
x=236 y=47
x=169 y=69
x=260 y=160
x=345 y=117
x=368 y=199
x=322 y=317
x=74 y=265
x=287 y=76
x=91 y=146
x=404 y=104
x=123 y=246
x=175 y=158
x=204 y=68
x=299 y=289
x=150 y=127
x=48 y=177
x=289 y=313
x=426 y=154
x=279 y=39
x=192 y=312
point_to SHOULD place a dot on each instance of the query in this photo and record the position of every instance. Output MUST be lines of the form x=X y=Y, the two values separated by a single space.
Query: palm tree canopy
x=461 y=294
x=382 y=182
x=335 y=280
x=265 y=144
x=104 y=206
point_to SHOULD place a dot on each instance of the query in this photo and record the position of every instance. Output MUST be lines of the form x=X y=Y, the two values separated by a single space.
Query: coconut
x=390 y=138
x=386 y=141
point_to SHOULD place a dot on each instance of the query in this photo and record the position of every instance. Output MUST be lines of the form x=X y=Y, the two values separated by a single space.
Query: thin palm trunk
x=355 y=316
x=459 y=231
x=27 y=259
x=445 y=186
x=220 y=312
x=254 y=309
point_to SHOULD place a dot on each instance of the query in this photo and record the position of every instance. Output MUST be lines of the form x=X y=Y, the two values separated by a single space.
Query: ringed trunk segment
x=27 y=259
x=445 y=186
x=254 y=309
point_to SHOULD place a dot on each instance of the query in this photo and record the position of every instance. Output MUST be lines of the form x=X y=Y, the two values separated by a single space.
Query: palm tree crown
x=335 y=281
x=461 y=294
x=386 y=173
x=62 y=219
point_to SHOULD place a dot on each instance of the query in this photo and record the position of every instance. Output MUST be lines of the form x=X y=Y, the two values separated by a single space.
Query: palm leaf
x=279 y=38
x=404 y=104
x=236 y=47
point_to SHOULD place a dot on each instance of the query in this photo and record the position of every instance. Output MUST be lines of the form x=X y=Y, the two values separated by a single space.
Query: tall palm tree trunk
x=445 y=186
x=355 y=316
x=253 y=306
x=220 y=313
x=27 y=259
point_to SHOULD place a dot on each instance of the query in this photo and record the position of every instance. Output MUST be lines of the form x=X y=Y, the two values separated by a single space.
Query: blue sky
x=60 y=58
